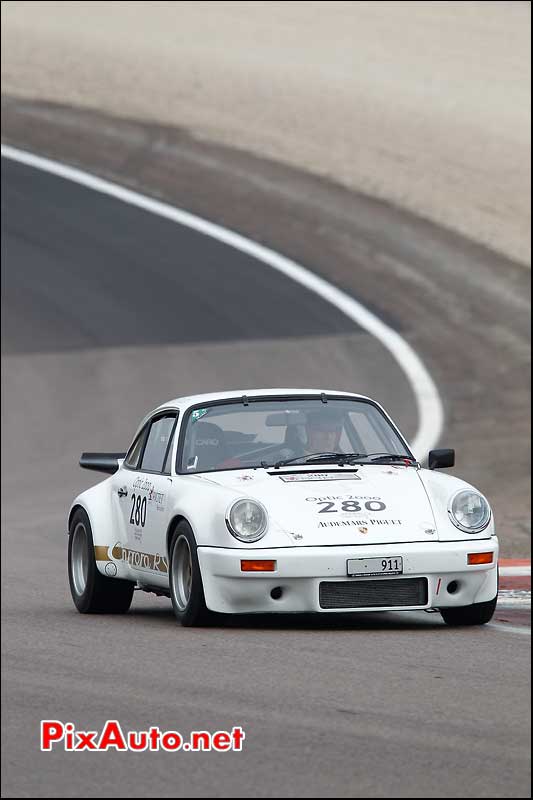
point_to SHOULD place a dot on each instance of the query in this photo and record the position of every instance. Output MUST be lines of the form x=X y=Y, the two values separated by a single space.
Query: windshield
x=264 y=432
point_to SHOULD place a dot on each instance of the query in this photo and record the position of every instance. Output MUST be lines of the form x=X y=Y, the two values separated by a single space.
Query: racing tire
x=185 y=579
x=92 y=592
x=476 y=614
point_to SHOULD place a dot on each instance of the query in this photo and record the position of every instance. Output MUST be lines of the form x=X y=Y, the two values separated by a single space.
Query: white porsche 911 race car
x=280 y=501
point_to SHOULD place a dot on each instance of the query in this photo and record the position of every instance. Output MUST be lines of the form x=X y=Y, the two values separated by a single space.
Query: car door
x=142 y=489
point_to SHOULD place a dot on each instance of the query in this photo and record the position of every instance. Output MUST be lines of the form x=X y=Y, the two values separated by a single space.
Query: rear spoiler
x=101 y=462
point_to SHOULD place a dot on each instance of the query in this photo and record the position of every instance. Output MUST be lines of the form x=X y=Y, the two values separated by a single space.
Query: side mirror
x=101 y=462
x=439 y=459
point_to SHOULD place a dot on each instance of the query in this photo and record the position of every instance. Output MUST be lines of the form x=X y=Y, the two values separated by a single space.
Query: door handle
x=123 y=492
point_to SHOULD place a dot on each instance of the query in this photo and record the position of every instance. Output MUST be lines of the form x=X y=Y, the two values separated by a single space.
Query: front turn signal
x=258 y=566
x=480 y=558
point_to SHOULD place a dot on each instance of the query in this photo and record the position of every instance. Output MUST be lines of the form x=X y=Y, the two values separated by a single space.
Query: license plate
x=358 y=567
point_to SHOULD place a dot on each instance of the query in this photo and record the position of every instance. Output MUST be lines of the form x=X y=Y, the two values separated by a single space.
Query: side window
x=132 y=459
x=157 y=443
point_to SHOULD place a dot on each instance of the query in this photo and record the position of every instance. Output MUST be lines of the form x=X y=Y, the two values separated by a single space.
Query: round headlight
x=469 y=511
x=247 y=520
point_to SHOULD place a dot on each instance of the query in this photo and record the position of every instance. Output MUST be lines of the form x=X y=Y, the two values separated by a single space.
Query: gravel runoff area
x=426 y=105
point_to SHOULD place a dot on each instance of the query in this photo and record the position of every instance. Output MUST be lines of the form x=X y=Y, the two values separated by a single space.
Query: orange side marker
x=258 y=566
x=480 y=558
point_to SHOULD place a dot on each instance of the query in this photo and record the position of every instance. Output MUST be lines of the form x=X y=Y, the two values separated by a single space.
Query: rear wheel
x=476 y=614
x=185 y=578
x=92 y=592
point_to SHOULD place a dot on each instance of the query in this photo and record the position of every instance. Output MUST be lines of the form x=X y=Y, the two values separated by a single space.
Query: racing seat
x=293 y=441
x=209 y=445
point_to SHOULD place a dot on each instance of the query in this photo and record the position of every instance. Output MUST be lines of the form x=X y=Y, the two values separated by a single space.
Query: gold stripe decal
x=149 y=561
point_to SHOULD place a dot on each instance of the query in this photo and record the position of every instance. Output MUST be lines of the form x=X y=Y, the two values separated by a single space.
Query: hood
x=336 y=506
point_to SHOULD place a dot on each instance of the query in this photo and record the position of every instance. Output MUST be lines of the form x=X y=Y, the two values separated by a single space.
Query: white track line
x=429 y=405
x=514 y=602
x=520 y=571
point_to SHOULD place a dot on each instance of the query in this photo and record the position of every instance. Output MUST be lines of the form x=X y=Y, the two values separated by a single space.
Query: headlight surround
x=469 y=511
x=247 y=520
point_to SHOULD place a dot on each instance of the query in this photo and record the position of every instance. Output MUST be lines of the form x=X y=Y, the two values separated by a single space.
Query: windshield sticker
x=198 y=414
x=320 y=476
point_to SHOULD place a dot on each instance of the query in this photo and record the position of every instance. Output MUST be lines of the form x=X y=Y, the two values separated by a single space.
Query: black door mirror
x=101 y=462
x=438 y=459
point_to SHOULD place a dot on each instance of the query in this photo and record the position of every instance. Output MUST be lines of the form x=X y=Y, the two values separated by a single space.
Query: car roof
x=183 y=403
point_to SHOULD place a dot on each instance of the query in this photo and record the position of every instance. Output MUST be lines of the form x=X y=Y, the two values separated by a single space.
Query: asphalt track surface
x=94 y=336
x=463 y=308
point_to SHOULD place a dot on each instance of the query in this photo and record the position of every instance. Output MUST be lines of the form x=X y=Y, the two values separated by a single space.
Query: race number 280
x=138 y=510
x=350 y=506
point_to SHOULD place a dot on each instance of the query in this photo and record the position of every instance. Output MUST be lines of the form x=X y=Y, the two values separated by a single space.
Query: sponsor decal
x=326 y=497
x=152 y=562
x=304 y=477
x=143 y=484
x=339 y=523
x=147 y=488
x=158 y=498
x=149 y=561
x=428 y=528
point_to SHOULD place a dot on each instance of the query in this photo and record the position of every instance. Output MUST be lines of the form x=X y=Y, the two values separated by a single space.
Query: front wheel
x=476 y=614
x=91 y=591
x=185 y=578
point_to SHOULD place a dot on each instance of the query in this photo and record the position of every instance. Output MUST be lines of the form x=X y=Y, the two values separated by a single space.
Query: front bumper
x=300 y=571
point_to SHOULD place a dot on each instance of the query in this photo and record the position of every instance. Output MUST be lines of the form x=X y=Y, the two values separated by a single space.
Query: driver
x=323 y=431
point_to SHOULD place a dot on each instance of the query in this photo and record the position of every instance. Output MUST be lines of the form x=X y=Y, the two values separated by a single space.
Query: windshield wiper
x=375 y=458
x=344 y=458
x=314 y=458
